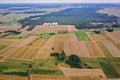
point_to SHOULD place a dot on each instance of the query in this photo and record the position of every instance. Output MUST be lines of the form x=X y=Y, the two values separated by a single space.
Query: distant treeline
x=80 y=17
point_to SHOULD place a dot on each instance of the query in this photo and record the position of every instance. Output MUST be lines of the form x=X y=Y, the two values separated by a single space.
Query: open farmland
x=112 y=48
x=82 y=36
x=95 y=50
x=84 y=72
x=46 y=50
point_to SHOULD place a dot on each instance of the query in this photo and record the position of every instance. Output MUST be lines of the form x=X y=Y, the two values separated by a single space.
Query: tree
x=74 y=61
x=62 y=55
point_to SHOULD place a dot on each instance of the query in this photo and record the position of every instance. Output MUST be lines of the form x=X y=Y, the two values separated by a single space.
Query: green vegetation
x=82 y=36
x=90 y=63
x=108 y=68
x=74 y=61
x=59 y=56
x=18 y=69
x=80 y=17
x=2 y=47
x=49 y=72
x=105 y=50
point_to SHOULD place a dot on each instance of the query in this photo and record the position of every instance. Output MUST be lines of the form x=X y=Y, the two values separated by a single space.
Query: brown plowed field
x=94 y=49
x=71 y=72
x=112 y=48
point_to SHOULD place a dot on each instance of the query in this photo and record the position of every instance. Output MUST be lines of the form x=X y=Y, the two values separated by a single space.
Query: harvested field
x=7 y=42
x=5 y=28
x=24 y=30
x=44 y=29
x=62 y=27
x=48 y=77
x=46 y=50
x=77 y=48
x=71 y=28
x=6 y=77
x=58 y=43
x=98 y=37
x=112 y=48
x=84 y=78
x=72 y=72
x=28 y=41
x=25 y=53
x=9 y=52
x=113 y=37
x=94 y=49
x=38 y=43
x=9 y=49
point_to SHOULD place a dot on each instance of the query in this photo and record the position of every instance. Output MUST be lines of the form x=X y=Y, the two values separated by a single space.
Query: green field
x=1 y=47
x=82 y=36
x=108 y=68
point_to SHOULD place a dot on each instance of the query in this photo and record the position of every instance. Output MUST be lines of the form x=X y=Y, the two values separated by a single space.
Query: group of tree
x=60 y=56
x=73 y=60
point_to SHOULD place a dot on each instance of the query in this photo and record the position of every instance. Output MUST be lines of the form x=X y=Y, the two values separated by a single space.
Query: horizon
x=58 y=1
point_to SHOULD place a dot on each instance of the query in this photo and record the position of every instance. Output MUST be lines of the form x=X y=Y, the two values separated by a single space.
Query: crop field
x=82 y=36
x=84 y=72
x=95 y=50
x=7 y=77
x=112 y=48
x=5 y=28
x=46 y=50
x=113 y=37
x=59 y=41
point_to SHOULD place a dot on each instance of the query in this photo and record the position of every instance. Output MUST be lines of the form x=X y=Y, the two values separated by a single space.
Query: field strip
x=11 y=51
x=114 y=38
x=45 y=51
x=88 y=33
x=49 y=77
x=94 y=49
x=77 y=48
x=27 y=41
x=6 y=50
x=112 y=48
x=70 y=72
x=98 y=37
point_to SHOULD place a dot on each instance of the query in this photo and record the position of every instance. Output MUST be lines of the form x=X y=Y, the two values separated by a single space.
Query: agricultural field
x=99 y=54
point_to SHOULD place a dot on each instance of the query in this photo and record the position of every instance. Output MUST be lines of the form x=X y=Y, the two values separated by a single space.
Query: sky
x=59 y=1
